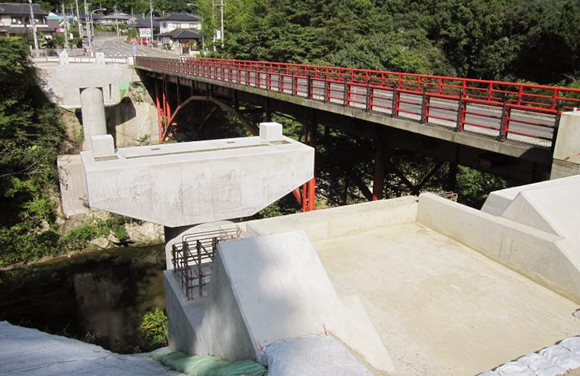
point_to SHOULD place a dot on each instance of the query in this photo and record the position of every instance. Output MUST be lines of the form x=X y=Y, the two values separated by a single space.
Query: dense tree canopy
x=535 y=40
x=30 y=134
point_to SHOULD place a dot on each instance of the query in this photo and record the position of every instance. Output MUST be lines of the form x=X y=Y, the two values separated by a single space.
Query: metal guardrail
x=193 y=257
x=78 y=60
x=503 y=110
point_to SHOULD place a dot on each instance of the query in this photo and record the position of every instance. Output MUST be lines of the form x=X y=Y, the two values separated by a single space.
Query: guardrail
x=82 y=59
x=505 y=110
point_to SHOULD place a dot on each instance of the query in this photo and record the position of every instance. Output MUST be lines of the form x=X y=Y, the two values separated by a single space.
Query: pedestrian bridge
x=516 y=120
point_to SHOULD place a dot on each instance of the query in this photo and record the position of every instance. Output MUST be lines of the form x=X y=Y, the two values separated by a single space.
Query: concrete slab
x=440 y=307
x=194 y=182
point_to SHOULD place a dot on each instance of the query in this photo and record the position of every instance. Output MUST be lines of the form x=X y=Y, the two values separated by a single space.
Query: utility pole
x=221 y=5
x=65 y=27
x=151 y=21
x=88 y=27
x=79 y=20
x=33 y=28
x=117 y=20
x=222 y=19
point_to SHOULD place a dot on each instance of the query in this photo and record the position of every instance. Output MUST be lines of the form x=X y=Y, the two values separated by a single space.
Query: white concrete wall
x=184 y=318
x=533 y=253
x=282 y=291
x=223 y=329
x=321 y=224
x=498 y=201
x=68 y=96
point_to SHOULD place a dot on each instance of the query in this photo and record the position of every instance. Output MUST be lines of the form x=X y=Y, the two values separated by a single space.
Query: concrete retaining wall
x=531 y=252
x=321 y=224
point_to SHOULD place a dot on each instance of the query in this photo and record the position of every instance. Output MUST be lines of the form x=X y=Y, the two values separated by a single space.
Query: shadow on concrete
x=119 y=114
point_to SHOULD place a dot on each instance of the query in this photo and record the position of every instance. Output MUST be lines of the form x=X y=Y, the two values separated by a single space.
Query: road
x=119 y=47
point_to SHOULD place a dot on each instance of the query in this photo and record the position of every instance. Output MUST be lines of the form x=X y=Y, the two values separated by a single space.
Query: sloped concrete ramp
x=267 y=289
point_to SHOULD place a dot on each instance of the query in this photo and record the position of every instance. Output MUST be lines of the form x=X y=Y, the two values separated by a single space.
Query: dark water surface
x=98 y=296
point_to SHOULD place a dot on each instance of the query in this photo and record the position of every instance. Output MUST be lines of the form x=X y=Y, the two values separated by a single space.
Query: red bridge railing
x=506 y=110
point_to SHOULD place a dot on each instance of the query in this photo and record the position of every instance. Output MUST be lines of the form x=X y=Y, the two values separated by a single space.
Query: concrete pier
x=93 y=113
x=90 y=79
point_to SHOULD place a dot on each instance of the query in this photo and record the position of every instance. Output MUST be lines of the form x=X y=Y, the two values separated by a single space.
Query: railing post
x=395 y=102
x=369 y=97
x=460 y=115
x=505 y=119
x=556 y=124
x=347 y=93
x=344 y=94
x=424 y=108
x=309 y=93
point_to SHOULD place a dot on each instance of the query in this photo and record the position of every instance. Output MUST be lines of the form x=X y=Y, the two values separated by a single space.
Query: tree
x=30 y=135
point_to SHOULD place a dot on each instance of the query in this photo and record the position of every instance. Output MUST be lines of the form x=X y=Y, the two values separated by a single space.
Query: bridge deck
x=522 y=113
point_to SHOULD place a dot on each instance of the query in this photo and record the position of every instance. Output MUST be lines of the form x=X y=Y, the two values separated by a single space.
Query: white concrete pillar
x=566 y=159
x=93 y=113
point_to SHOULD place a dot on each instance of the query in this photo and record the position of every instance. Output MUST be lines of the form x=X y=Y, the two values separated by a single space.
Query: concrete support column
x=93 y=113
x=566 y=159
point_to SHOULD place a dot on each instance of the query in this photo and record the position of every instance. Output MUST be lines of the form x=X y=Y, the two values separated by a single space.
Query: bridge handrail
x=521 y=112
x=492 y=88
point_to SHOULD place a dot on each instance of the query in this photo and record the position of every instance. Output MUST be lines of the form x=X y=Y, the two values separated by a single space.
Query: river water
x=98 y=296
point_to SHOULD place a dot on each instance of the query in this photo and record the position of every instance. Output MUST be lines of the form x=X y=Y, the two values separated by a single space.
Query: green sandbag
x=206 y=365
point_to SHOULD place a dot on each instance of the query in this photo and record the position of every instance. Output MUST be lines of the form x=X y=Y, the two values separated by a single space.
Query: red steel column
x=312 y=194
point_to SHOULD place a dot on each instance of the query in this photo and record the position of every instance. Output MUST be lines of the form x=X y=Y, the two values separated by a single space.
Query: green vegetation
x=30 y=135
x=153 y=329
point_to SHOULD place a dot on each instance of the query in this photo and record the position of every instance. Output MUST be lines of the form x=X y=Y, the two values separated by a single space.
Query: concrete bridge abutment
x=566 y=158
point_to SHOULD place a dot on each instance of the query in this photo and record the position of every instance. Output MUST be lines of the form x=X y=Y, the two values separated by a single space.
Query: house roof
x=178 y=34
x=146 y=22
x=20 y=9
x=15 y=30
x=117 y=16
x=179 y=17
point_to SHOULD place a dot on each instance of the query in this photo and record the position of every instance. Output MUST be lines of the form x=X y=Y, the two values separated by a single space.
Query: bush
x=153 y=329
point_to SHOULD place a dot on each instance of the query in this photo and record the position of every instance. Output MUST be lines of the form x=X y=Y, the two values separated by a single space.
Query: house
x=57 y=21
x=174 y=21
x=184 y=41
x=143 y=25
x=15 y=19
